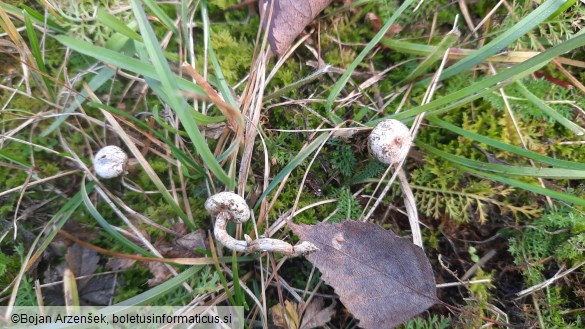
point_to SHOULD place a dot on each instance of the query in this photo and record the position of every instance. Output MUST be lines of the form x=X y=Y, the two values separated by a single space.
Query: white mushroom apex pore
x=109 y=162
x=231 y=203
x=390 y=141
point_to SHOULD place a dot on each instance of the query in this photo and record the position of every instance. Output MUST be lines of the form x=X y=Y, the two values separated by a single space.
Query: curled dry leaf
x=381 y=278
x=289 y=19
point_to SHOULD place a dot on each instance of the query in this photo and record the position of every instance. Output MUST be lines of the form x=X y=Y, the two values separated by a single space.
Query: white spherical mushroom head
x=110 y=162
x=390 y=141
x=230 y=203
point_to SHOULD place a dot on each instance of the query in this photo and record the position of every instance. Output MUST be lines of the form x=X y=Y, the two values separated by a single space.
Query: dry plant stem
x=548 y=282
x=414 y=130
x=262 y=244
x=181 y=261
x=462 y=283
x=410 y=205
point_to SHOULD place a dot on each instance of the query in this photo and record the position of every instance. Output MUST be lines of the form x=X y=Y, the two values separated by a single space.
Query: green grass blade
x=555 y=173
x=563 y=8
x=340 y=84
x=11 y=158
x=297 y=160
x=108 y=228
x=160 y=14
x=536 y=17
x=477 y=89
x=576 y=129
x=436 y=55
x=36 y=51
x=158 y=291
x=297 y=84
x=408 y=47
x=238 y=292
x=124 y=62
x=37 y=17
x=219 y=272
x=219 y=81
x=507 y=147
x=117 y=25
x=171 y=90
x=531 y=187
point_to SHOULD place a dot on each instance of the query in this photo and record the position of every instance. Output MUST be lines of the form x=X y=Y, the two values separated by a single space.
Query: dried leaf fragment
x=289 y=19
x=381 y=278
x=289 y=311
x=316 y=315
x=82 y=262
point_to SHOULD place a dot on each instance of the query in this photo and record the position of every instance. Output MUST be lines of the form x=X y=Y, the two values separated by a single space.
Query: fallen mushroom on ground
x=228 y=206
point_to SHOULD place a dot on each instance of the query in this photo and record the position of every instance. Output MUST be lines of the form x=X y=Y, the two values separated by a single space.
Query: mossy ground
x=465 y=216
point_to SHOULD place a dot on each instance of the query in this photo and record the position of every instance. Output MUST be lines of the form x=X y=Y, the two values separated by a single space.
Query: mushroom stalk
x=227 y=206
x=221 y=234
x=282 y=247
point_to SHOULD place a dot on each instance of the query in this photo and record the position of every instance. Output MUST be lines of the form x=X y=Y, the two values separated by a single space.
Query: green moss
x=222 y=4
x=233 y=53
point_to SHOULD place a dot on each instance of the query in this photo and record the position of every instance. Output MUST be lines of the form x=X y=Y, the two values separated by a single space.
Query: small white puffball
x=390 y=141
x=110 y=162
x=228 y=202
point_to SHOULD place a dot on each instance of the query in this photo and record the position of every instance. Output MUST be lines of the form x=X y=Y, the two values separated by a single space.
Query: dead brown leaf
x=376 y=24
x=160 y=273
x=192 y=241
x=119 y=264
x=383 y=279
x=289 y=19
x=316 y=315
x=82 y=262
x=93 y=290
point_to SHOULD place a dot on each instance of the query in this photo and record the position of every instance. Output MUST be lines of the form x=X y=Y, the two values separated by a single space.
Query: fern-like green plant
x=432 y=322
x=347 y=206
x=342 y=157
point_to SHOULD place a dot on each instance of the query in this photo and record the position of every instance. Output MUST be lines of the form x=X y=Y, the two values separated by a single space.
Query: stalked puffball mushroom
x=109 y=162
x=390 y=141
x=228 y=206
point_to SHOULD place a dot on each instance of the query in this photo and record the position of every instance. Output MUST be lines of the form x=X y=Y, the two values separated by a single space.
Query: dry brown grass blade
x=410 y=205
x=180 y=261
x=233 y=115
x=39 y=181
x=511 y=57
x=253 y=112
